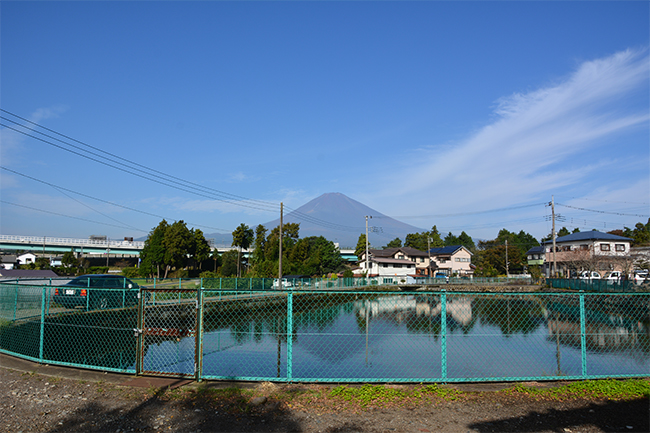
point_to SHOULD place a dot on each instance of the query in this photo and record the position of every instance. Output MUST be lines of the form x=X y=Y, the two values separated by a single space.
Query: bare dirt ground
x=37 y=398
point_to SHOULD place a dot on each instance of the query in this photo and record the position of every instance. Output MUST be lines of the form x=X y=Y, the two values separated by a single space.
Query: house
x=419 y=258
x=451 y=260
x=402 y=261
x=387 y=270
x=535 y=256
x=27 y=258
x=593 y=251
x=8 y=261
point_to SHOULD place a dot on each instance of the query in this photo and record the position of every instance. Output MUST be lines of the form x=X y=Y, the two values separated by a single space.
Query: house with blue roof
x=451 y=260
x=592 y=250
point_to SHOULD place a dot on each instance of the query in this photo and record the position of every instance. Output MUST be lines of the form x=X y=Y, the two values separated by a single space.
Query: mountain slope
x=341 y=219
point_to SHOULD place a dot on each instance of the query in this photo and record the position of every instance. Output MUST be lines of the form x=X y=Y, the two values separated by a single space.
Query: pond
x=409 y=337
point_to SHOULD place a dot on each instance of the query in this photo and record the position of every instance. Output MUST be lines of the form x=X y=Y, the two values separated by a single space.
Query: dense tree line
x=170 y=247
x=174 y=246
x=490 y=256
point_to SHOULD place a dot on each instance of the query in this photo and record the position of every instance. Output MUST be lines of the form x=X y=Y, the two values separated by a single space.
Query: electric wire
x=226 y=195
x=256 y=204
x=109 y=202
x=171 y=185
x=602 y=211
x=67 y=216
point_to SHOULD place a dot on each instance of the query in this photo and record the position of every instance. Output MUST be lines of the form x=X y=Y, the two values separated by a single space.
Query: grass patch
x=368 y=394
x=441 y=392
x=607 y=388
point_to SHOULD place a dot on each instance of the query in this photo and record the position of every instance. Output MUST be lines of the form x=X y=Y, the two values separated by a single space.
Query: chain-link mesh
x=251 y=329
x=169 y=325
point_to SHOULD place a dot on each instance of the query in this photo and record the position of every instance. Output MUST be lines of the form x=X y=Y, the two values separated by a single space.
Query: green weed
x=607 y=388
x=367 y=394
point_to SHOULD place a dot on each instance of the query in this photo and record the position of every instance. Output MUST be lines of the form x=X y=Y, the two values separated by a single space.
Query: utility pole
x=554 y=272
x=280 y=262
x=507 y=264
x=367 y=261
x=429 y=250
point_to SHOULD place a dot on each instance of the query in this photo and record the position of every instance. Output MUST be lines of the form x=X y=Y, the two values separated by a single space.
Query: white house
x=593 y=250
x=388 y=270
x=27 y=258
x=450 y=260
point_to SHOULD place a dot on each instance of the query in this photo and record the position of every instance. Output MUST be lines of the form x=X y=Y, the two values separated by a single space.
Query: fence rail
x=244 y=329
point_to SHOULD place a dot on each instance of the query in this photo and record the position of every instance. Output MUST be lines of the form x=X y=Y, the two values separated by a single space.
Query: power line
x=176 y=183
x=68 y=216
x=468 y=213
x=602 y=211
x=226 y=195
x=108 y=202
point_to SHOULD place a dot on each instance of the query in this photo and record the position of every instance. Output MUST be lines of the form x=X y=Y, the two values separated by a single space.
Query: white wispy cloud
x=532 y=145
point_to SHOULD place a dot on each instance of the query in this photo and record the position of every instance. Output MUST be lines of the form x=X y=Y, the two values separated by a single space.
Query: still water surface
x=401 y=337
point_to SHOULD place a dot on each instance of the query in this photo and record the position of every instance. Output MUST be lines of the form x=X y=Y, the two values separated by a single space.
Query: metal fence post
x=40 y=348
x=198 y=363
x=289 y=334
x=139 y=345
x=16 y=302
x=443 y=334
x=583 y=336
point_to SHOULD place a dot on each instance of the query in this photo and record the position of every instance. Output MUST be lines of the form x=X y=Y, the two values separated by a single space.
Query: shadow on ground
x=610 y=416
x=229 y=411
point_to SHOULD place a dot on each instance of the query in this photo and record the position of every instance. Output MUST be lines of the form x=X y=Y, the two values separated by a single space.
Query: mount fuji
x=340 y=219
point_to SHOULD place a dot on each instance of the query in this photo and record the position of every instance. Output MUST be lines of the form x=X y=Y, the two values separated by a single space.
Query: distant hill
x=341 y=219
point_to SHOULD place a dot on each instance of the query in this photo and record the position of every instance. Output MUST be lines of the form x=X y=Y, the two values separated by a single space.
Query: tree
x=69 y=260
x=260 y=244
x=229 y=263
x=395 y=243
x=242 y=237
x=425 y=240
x=153 y=253
x=465 y=240
x=177 y=243
x=200 y=250
x=360 y=250
x=450 y=240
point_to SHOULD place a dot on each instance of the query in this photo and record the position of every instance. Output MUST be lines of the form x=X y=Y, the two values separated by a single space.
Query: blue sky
x=467 y=115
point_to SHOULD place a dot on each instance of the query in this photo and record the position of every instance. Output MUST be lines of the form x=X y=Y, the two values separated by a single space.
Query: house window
x=604 y=247
x=584 y=247
x=566 y=248
x=398 y=265
x=400 y=256
x=620 y=247
x=421 y=259
x=388 y=281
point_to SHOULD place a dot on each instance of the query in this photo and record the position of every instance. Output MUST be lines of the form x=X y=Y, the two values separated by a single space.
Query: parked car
x=97 y=291
x=640 y=277
x=441 y=277
x=614 y=277
x=589 y=275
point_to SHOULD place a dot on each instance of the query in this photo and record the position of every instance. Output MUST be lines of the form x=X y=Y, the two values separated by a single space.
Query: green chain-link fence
x=247 y=329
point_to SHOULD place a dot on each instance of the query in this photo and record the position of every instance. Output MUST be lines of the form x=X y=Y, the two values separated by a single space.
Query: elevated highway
x=55 y=245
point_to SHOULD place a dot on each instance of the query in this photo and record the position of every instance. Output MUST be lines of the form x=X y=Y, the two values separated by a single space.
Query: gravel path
x=33 y=400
